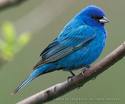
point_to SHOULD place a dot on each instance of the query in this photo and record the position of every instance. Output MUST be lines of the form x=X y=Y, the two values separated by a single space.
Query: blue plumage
x=78 y=45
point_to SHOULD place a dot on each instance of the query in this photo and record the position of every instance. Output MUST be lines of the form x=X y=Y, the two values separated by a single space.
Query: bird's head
x=94 y=16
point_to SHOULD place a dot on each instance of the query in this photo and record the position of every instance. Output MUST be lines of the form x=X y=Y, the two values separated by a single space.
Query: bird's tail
x=23 y=84
x=33 y=75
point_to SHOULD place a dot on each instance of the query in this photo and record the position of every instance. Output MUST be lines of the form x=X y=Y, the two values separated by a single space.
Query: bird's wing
x=59 y=49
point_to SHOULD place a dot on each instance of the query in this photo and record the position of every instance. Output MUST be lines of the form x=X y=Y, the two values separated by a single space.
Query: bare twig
x=77 y=81
x=8 y=3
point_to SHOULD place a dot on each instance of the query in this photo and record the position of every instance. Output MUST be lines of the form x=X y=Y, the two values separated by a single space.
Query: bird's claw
x=83 y=70
x=69 y=78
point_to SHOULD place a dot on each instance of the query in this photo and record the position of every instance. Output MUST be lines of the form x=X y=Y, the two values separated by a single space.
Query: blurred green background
x=44 y=19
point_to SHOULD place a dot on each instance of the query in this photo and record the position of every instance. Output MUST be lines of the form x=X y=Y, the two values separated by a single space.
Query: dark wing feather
x=52 y=53
x=64 y=51
x=56 y=50
x=51 y=45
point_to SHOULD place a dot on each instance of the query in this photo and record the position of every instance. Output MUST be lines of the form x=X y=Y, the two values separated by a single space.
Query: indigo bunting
x=80 y=43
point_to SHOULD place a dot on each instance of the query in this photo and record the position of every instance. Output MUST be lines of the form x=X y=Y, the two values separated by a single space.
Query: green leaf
x=8 y=53
x=9 y=32
x=23 y=39
x=11 y=45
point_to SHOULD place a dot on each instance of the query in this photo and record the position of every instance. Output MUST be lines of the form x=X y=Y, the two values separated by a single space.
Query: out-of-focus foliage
x=10 y=44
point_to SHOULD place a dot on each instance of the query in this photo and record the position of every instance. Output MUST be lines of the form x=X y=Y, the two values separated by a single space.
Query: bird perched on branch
x=80 y=43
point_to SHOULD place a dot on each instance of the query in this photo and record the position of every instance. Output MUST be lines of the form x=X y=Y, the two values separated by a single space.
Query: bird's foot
x=70 y=77
x=83 y=71
x=86 y=68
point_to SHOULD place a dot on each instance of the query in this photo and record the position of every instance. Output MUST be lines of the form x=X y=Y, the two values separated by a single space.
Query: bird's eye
x=97 y=17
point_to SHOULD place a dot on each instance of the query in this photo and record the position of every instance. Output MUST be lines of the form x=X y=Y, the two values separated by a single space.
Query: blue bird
x=80 y=43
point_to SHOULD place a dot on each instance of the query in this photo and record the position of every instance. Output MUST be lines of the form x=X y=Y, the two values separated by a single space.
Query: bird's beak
x=104 y=20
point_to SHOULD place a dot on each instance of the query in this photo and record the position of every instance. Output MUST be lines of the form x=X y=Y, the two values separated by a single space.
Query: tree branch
x=78 y=80
x=9 y=3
